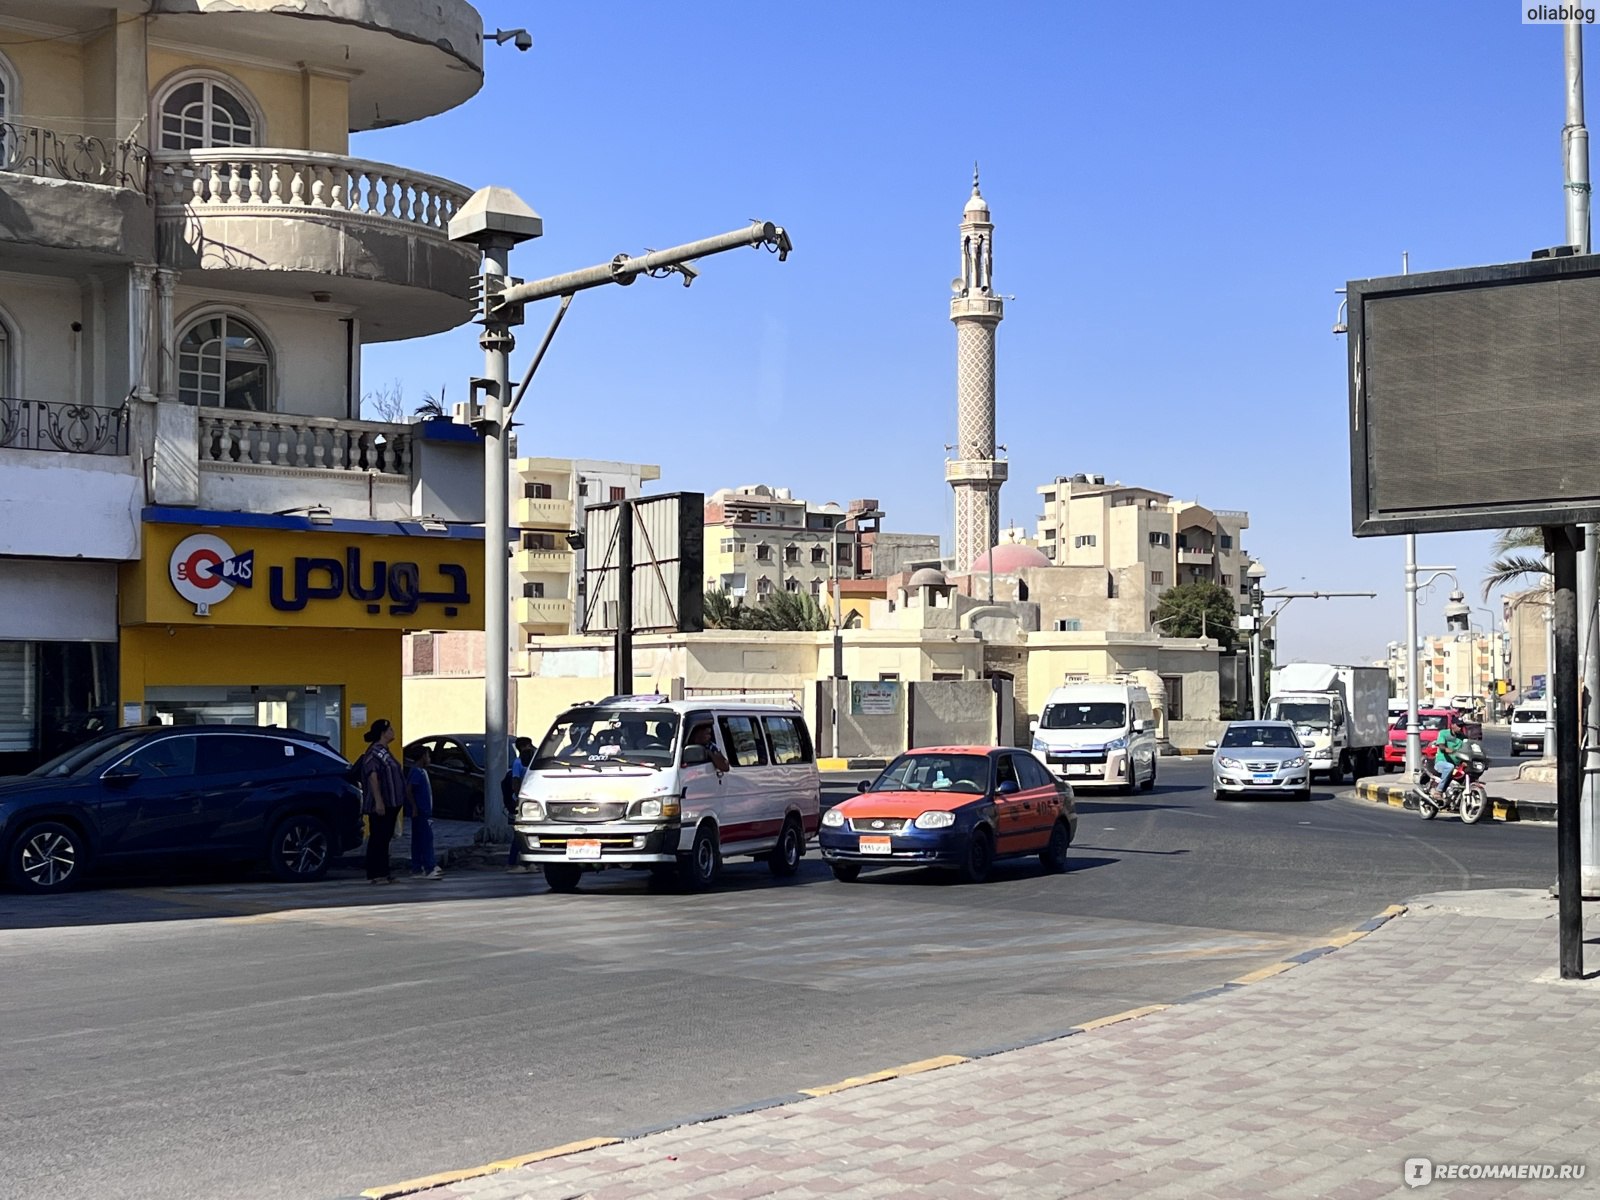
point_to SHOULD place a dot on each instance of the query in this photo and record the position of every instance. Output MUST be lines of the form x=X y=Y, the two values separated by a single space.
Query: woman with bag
x=383 y=790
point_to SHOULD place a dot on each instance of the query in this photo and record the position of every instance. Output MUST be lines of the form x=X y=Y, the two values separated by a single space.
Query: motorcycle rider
x=1448 y=751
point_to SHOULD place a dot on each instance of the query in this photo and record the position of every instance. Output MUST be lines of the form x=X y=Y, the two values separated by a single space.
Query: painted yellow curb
x=1265 y=973
x=916 y=1068
x=389 y=1191
x=1132 y=1014
x=833 y=764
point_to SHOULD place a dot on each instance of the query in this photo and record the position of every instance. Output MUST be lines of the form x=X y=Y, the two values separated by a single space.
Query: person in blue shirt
x=419 y=808
x=520 y=759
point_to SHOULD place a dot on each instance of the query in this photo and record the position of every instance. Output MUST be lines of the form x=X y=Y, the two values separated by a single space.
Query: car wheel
x=1053 y=858
x=1149 y=785
x=784 y=861
x=846 y=872
x=697 y=870
x=48 y=857
x=979 y=860
x=1303 y=794
x=562 y=877
x=300 y=849
x=1515 y=752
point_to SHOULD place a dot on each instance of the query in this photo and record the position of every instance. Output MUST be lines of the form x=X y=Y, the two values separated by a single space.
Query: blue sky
x=1177 y=190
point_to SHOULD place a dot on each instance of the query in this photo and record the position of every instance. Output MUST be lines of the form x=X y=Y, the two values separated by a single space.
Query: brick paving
x=1445 y=1034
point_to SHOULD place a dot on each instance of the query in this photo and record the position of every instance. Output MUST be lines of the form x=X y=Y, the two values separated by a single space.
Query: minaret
x=977 y=311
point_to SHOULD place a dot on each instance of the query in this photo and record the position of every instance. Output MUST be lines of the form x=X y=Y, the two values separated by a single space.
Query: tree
x=1199 y=609
x=724 y=611
x=787 y=611
x=1512 y=562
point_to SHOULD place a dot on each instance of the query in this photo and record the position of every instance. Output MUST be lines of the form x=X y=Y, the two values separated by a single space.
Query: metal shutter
x=18 y=714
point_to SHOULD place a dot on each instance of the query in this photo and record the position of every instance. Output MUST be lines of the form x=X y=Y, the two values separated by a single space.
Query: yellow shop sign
x=338 y=579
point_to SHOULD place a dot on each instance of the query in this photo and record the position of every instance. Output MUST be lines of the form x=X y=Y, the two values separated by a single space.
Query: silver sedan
x=1260 y=757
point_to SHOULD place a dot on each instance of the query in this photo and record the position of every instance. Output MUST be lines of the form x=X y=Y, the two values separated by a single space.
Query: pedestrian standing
x=521 y=759
x=419 y=807
x=383 y=791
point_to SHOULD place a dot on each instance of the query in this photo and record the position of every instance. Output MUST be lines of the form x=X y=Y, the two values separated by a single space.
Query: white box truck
x=1343 y=710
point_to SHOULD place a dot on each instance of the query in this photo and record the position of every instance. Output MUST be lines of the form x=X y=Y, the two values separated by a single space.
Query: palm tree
x=788 y=611
x=724 y=611
x=1513 y=563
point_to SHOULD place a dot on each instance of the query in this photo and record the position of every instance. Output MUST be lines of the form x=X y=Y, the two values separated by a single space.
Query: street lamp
x=866 y=514
x=1413 y=728
x=1255 y=575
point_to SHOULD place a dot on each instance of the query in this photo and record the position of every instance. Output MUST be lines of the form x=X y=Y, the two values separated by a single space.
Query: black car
x=217 y=792
x=455 y=771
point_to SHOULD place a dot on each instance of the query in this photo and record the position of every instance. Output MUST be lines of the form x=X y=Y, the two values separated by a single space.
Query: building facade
x=1145 y=541
x=760 y=540
x=1449 y=666
x=194 y=519
x=547 y=570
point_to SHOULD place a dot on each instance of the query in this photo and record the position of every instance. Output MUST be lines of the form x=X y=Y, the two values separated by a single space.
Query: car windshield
x=597 y=736
x=1307 y=715
x=966 y=773
x=1527 y=716
x=1260 y=735
x=1092 y=715
x=1434 y=721
x=90 y=757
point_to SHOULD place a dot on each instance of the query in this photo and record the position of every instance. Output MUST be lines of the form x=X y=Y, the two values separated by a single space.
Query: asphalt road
x=241 y=1039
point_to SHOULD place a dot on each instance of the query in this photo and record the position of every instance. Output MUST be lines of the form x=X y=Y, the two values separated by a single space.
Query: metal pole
x=1255 y=654
x=1563 y=543
x=1413 y=726
x=1575 y=152
x=497 y=342
x=622 y=682
x=838 y=643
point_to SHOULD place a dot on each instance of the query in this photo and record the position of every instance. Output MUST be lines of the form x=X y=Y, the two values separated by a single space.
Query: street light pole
x=838 y=614
x=1413 y=726
x=1255 y=575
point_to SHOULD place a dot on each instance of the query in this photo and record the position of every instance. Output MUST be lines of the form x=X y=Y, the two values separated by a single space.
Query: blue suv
x=214 y=792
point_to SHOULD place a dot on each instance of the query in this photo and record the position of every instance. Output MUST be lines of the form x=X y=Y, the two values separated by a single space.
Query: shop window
x=53 y=696
x=223 y=362
x=315 y=709
x=18 y=697
x=206 y=113
x=745 y=746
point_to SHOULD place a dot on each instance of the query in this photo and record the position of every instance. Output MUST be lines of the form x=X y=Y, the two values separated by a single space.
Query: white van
x=627 y=782
x=1098 y=735
x=1528 y=719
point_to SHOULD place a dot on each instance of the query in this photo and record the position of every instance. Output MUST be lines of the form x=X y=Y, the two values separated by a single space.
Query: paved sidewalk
x=1515 y=797
x=1443 y=1034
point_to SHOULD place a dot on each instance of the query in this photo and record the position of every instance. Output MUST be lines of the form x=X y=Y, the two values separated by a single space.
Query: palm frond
x=1522 y=537
x=1515 y=568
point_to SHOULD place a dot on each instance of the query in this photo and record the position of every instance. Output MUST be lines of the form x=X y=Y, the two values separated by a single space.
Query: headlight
x=654 y=808
x=833 y=818
x=1120 y=743
x=1230 y=764
x=531 y=810
x=1296 y=762
x=935 y=820
x=1322 y=754
x=1038 y=744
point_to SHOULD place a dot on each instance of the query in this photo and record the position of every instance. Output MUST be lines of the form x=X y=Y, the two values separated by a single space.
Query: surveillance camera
x=524 y=41
x=520 y=38
x=689 y=273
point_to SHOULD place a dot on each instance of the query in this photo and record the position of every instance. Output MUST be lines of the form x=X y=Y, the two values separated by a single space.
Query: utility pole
x=1575 y=154
x=622 y=673
x=496 y=219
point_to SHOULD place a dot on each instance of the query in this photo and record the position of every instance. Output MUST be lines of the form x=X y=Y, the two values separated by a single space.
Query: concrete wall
x=953 y=714
x=51 y=82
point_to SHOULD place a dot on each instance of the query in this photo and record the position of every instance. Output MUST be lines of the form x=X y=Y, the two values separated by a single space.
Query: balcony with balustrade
x=297 y=223
x=543 y=614
x=544 y=514
x=535 y=561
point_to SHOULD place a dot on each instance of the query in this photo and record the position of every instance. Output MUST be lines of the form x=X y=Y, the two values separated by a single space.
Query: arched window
x=202 y=113
x=8 y=89
x=224 y=362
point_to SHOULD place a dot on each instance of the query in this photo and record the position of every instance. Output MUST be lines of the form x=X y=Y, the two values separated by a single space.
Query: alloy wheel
x=303 y=848
x=48 y=859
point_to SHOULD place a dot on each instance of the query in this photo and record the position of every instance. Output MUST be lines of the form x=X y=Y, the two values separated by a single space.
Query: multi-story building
x=547 y=571
x=194 y=520
x=1450 y=665
x=1526 y=615
x=1089 y=523
x=761 y=540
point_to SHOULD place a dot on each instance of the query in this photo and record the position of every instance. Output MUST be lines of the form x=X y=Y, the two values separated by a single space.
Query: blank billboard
x=668 y=562
x=1475 y=398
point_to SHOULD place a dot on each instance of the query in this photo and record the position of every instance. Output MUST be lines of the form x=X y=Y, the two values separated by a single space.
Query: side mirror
x=120 y=776
x=1211 y=745
x=1033 y=725
x=1307 y=744
x=696 y=756
x=862 y=787
x=1138 y=726
x=1007 y=788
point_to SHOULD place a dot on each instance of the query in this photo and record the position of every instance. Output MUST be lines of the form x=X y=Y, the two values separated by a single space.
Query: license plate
x=1077 y=768
x=875 y=845
x=583 y=849
x=1263 y=778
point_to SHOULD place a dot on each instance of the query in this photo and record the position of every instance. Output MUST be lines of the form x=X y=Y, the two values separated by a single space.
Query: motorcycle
x=1467 y=796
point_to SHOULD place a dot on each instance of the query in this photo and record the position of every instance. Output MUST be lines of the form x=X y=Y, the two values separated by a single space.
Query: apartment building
x=760 y=540
x=547 y=571
x=1087 y=522
x=195 y=523
x=1450 y=665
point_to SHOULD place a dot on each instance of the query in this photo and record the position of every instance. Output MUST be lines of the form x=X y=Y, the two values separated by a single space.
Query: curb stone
x=410 y=1187
x=1394 y=795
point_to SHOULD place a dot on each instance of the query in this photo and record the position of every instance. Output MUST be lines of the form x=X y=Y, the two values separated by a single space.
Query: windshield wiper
x=566 y=764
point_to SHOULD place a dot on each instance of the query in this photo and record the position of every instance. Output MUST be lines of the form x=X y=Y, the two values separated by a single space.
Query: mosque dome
x=927 y=577
x=1009 y=558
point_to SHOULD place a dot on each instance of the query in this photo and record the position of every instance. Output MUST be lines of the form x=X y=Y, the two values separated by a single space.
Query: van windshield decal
x=598 y=737
x=1101 y=715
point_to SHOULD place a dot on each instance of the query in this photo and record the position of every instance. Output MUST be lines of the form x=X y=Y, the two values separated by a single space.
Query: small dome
x=927 y=577
x=1009 y=559
x=977 y=207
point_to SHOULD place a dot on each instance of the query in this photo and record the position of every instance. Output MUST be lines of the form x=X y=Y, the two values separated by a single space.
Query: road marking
x=1265 y=973
x=422 y=1183
x=1132 y=1014
x=916 y=1068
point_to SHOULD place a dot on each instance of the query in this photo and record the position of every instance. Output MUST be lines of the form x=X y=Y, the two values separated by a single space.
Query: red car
x=1432 y=720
